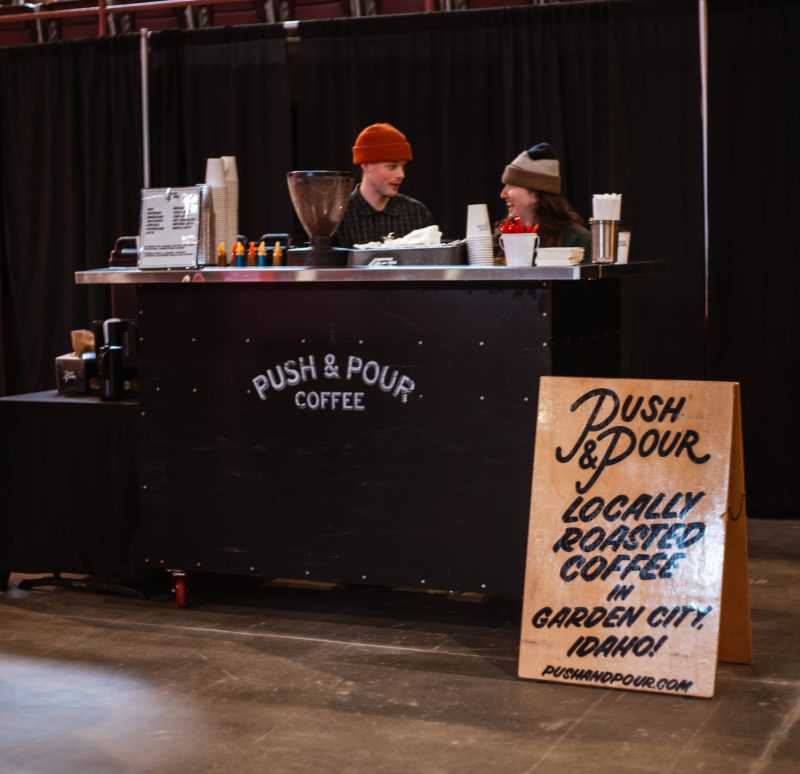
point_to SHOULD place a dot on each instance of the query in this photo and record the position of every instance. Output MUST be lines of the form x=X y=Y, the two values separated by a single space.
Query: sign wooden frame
x=636 y=571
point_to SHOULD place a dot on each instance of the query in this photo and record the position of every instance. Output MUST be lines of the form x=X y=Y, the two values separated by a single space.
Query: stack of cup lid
x=480 y=249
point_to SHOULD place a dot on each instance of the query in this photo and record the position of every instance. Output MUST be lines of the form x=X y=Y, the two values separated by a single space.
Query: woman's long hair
x=553 y=212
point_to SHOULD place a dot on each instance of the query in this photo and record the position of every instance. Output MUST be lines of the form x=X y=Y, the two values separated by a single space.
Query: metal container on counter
x=453 y=254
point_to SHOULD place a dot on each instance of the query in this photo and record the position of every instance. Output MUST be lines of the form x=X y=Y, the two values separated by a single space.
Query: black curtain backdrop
x=754 y=125
x=70 y=174
x=224 y=92
x=615 y=87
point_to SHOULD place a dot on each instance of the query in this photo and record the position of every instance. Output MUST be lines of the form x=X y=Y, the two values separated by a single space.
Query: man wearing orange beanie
x=376 y=207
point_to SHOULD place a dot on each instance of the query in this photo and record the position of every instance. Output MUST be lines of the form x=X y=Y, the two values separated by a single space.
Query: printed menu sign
x=637 y=513
x=170 y=227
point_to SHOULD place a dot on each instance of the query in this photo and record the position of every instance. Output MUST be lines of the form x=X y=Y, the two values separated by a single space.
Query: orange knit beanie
x=381 y=142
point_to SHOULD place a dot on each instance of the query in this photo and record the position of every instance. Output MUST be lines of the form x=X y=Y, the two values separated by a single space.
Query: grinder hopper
x=320 y=200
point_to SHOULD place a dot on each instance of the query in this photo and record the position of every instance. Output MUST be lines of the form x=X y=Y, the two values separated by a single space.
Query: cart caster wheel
x=180 y=591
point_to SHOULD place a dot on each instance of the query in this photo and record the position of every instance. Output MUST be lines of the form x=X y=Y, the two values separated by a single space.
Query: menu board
x=637 y=511
x=169 y=232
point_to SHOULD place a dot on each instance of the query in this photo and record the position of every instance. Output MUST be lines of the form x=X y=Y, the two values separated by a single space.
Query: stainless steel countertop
x=120 y=276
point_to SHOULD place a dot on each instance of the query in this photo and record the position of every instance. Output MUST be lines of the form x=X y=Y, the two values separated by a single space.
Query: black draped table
x=69 y=486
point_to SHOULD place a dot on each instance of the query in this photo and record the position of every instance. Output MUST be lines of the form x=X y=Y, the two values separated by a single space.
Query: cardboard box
x=74 y=372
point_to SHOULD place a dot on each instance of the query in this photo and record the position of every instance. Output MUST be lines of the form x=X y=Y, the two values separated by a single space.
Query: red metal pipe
x=103 y=10
x=102 y=19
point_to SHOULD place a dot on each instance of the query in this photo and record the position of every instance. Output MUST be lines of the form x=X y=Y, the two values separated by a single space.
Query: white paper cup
x=623 y=246
x=215 y=173
x=229 y=165
x=478 y=224
x=519 y=248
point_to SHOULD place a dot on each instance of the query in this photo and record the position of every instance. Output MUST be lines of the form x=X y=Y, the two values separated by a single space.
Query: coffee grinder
x=320 y=200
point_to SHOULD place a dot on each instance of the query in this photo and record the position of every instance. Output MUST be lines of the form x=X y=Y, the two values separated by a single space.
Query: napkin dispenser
x=76 y=369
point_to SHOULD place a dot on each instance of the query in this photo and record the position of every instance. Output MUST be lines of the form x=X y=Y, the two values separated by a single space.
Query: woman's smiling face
x=521 y=202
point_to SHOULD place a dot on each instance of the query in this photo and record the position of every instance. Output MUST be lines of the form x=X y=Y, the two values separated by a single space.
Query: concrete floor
x=266 y=678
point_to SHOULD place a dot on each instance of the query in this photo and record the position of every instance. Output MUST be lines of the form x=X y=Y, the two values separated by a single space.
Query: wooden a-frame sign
x=636 y=571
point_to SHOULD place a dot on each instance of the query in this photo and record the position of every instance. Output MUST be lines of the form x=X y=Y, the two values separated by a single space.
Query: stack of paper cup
x=232 y=184
x=479 y=236
x=215 y=180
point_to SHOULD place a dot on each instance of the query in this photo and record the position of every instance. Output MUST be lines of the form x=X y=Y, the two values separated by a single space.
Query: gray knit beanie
x=535 y=169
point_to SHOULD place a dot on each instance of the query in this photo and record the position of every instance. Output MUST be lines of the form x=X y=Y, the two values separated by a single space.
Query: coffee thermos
x=115 y=345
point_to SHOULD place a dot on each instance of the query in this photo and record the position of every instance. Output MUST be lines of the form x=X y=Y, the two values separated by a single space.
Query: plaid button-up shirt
x=362 y=223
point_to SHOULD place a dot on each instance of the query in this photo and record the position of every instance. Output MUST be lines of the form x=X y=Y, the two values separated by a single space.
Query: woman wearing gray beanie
x=532 y=193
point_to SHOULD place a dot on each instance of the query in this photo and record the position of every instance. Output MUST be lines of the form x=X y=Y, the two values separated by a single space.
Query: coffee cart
x=354 y=425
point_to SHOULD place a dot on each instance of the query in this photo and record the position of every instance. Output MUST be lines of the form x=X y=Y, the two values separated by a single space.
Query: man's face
x=384 y=177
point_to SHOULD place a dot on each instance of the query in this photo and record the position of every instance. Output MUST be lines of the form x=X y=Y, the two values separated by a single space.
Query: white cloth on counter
x=421 y=237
